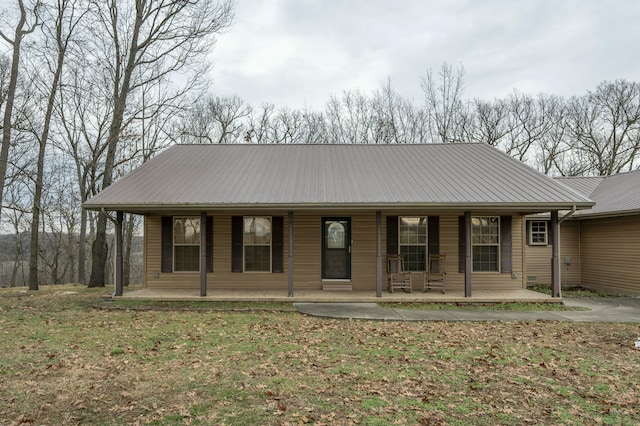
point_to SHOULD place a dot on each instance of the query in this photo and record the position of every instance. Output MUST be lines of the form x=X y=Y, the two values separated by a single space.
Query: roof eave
x=182 y=207
x=609 y=214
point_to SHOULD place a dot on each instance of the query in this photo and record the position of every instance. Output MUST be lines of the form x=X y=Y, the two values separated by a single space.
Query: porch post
x=378 y=254
x=555 y=249
x=203 y=254
x=290 y=261
x=468 y=264
x=119 y=261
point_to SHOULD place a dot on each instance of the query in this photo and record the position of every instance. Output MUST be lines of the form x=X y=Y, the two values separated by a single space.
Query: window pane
x=186 y=230
x=538 y=232
x=413 y=242
x=257 y=258
x=485 y=240
x=336 y=236
x=485 y=258
x=186 y=244
x=257 y=244
x=187 y=258
x=257 y=230
x=414 y=257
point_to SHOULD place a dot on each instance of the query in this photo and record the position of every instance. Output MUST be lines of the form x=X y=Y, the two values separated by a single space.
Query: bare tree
x=398 y=119
x=555 y=144
x=17 y=219
x=83 y=125
x=606 y=126
x=145 y=44
x=26 y=25
x=529 y=119
x=444 y=102
x=215 y=119
x=5 y=71
x=490 y=121
x=59 y=25
x=258 y=125
x=350 y=119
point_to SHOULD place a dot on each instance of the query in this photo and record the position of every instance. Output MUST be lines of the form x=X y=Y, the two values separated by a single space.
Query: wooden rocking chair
x=436 y=274
x=398 y=278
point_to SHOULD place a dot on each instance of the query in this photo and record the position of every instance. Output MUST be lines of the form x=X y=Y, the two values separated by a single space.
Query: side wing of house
x=610 y=251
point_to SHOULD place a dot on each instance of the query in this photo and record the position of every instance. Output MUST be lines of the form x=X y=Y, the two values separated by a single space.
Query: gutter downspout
x=565 y=217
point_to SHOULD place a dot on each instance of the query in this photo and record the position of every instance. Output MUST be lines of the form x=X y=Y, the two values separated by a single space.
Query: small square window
x=538 y=233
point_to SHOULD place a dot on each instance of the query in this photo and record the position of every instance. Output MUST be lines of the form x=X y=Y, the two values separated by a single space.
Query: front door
x=336 y=248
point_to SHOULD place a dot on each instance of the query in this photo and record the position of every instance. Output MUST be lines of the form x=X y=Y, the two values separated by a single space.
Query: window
x=257 y=244
x=413 y=242
x=186 y=244
x=485 y=241
x=538 y=233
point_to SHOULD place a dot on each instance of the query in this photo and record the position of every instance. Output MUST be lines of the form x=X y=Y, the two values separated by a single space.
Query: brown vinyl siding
x=307 y=255
x=610 y=250
x=539 y=264
x=571 y=275
x=538 y=257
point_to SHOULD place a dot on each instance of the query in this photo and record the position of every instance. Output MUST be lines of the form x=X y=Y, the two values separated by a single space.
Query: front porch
x=324 y=296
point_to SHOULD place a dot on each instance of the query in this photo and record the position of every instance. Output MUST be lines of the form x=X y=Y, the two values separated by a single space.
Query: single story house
x=288 y=217
x=600 y=247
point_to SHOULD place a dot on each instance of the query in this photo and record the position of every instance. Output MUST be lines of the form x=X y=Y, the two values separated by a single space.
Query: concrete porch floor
x=324 y=296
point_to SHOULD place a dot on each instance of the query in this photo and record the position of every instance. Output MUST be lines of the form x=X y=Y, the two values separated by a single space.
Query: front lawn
x=64 y=362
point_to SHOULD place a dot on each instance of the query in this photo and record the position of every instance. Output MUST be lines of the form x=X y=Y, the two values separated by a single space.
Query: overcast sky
x=296 y=53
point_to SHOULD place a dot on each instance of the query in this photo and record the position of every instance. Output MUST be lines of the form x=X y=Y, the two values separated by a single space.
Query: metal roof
x=464 y=176
x=614 y=195
x=585 y=185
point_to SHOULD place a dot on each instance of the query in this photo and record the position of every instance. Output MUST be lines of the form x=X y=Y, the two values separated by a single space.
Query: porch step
x=337 y=286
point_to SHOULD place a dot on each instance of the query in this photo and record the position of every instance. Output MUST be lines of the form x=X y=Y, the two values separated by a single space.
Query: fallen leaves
x=233 y=368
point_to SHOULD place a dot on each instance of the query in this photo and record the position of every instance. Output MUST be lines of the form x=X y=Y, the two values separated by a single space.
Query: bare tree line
x=597 y=133
x=87 y=89
x=91 y=89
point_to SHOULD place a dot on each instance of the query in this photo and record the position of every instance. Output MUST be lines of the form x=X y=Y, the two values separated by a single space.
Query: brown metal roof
x=585 y=185
x=465 y=176
x=614 y=195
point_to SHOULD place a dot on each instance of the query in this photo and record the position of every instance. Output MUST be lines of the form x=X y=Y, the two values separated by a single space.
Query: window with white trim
x=186 y=244
x=412 y=238
x=538 y=233
x=485 y=242
x=257 y=244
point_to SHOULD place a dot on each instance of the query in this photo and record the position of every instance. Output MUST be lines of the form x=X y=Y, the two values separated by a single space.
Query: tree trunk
x=99 y=249
x=99 y=252
x=11 y=93
x=33 y=260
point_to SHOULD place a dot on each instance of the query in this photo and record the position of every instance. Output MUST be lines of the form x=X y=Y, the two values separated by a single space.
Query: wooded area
x=91 y=89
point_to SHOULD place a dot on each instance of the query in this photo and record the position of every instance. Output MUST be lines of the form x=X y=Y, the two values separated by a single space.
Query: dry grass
x=64 y=362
